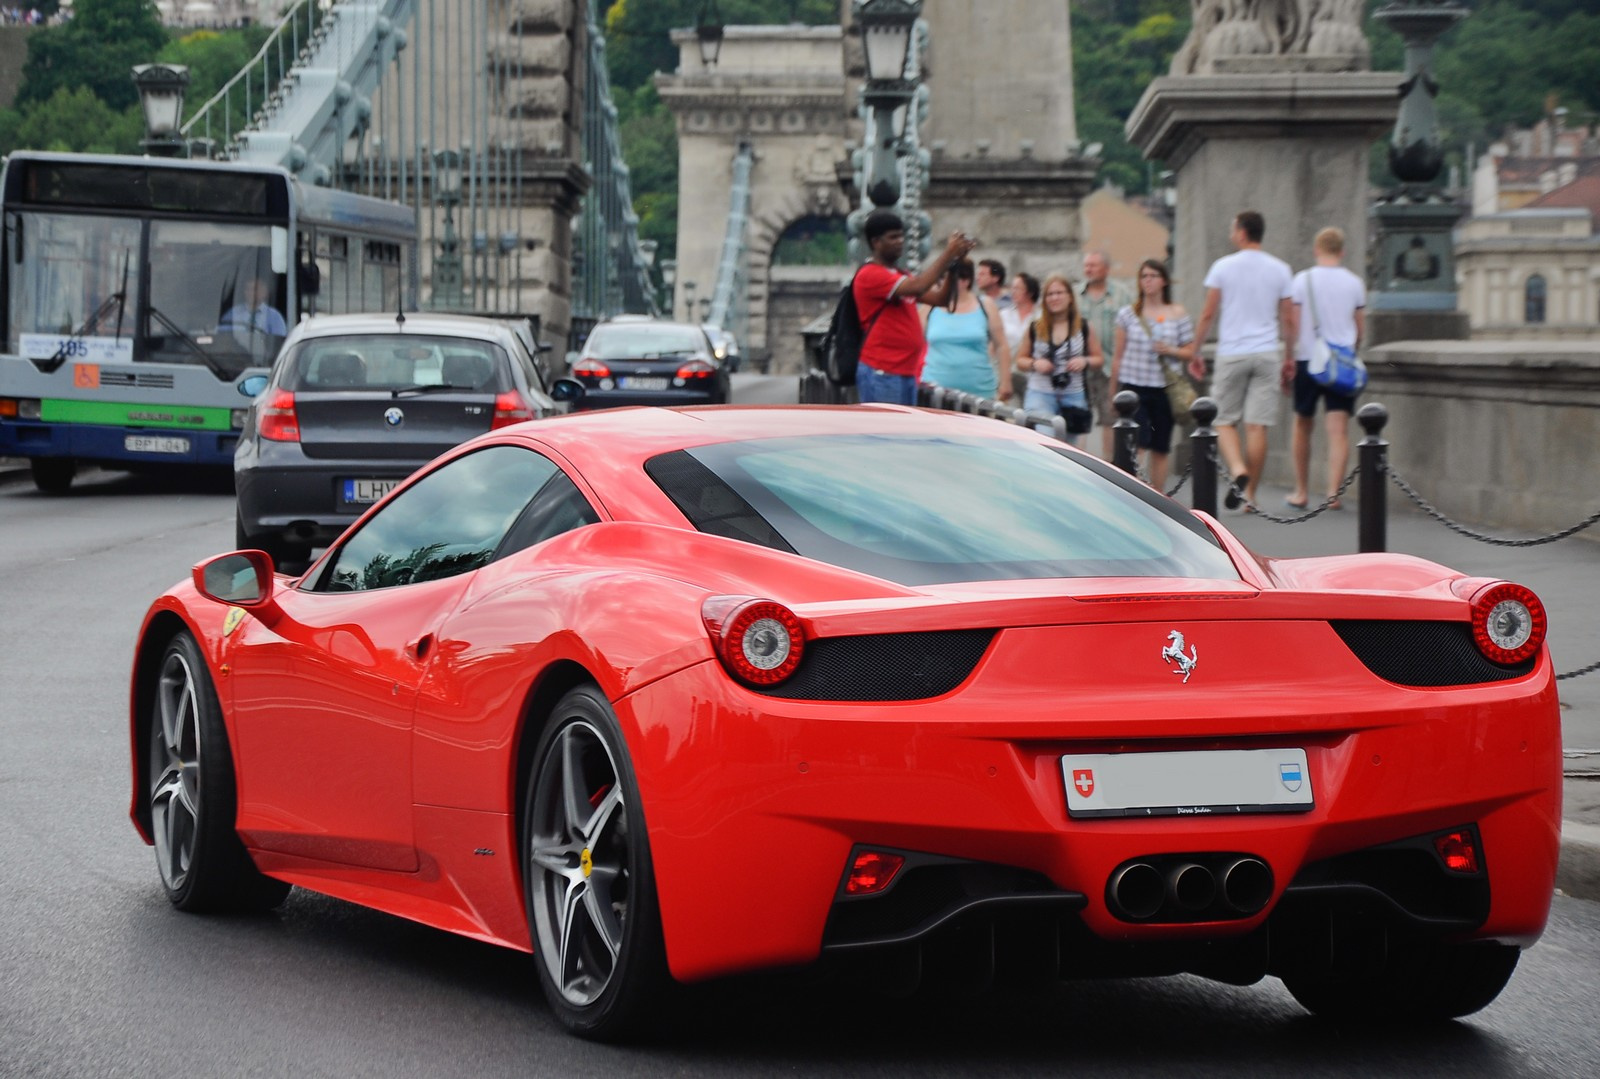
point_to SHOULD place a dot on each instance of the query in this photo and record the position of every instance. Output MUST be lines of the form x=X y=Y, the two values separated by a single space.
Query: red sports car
x=662 y=695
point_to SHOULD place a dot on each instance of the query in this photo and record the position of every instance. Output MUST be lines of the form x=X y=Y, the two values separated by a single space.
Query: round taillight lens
x=759 y=641
x=1508 y=622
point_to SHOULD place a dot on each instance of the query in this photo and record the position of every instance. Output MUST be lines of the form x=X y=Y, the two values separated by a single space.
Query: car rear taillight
x=278 y=421
x=760 y=642
x=1508 y=622
x=591 y=368
x=695 y=369
x=510 y=407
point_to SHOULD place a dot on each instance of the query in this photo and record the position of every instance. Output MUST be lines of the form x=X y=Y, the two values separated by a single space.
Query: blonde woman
x=1152 y=334
x=1056 y=349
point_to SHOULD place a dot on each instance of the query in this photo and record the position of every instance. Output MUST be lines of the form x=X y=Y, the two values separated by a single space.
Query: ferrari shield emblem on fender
x=1291 y=776
x=1083 y=780
x=231 y=620
x=1173 y=653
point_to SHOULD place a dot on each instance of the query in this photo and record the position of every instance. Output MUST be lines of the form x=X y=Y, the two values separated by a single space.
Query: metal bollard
x=1125 y=433
x=1203 y=456
x=934 y=395
x=1372 y=459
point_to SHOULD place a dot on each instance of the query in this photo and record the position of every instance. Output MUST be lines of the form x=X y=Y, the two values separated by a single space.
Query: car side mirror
x=252 y=386
x=243 y=578
x=569 y=390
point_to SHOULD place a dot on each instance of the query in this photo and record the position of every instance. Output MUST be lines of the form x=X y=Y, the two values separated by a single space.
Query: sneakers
x=1235 y=496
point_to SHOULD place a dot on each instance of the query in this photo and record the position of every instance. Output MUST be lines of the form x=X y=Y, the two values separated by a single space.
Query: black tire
x=1418 y=983
x=588 y=877
x=203 y=865
x=53 y=475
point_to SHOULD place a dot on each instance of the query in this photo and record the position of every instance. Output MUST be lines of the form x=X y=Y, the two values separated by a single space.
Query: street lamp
x=669 y=277
x=708 y=32
x=688 y=301
x=447 y=277
x=161 y=89
x=886 y=30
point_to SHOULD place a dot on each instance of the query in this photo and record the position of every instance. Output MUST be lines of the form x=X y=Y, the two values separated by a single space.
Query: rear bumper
x=304 y=503
x=750 y=854
x=597 y=398
x=110 y=445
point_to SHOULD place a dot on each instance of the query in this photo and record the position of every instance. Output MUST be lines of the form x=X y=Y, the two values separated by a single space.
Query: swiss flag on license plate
x=1083 y=781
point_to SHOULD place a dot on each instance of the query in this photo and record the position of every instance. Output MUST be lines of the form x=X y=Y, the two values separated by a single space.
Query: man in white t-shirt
x=1338 y=314
x=1251 y=290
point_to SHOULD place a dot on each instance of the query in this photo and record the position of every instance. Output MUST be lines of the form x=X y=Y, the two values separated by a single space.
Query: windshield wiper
x=431 y=387
x=92 y=323
x=194 y=346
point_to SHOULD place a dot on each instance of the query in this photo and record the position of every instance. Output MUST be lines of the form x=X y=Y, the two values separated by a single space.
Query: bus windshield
x=212 y=300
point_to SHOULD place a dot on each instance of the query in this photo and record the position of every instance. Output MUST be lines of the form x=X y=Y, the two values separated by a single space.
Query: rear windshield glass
x=919 y=510
x=645 y=341
x=394 y=362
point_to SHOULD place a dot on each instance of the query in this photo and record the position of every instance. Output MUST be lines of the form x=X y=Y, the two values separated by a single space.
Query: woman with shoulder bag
x=1154 y=343
x=1054 y=352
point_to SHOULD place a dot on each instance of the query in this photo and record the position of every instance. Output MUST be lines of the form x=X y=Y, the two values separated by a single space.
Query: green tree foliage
x=72 y=120
x=1118 y=46
x=96 y=49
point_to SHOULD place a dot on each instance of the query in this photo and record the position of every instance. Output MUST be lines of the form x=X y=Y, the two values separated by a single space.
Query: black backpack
x=841 y=349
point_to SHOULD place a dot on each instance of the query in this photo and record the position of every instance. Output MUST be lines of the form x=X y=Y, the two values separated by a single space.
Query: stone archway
x=784 y=298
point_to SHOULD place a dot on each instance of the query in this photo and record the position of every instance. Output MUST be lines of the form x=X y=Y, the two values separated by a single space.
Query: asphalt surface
x=1565 y=574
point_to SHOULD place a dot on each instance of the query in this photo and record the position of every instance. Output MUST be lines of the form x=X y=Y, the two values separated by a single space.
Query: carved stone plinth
x=1291 y=145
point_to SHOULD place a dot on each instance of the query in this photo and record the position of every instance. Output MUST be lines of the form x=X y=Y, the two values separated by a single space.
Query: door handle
x=421 y=646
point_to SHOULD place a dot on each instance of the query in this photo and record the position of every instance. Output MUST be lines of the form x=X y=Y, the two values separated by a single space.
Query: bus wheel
x=53 y=475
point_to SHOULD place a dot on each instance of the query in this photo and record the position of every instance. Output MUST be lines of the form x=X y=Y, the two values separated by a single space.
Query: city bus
x=138 y=294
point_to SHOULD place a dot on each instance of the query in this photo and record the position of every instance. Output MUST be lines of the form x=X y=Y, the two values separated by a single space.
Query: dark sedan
x=356 y=403
x=633 y=361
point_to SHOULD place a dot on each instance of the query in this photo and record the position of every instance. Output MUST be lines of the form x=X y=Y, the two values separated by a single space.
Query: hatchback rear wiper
x=431 y=387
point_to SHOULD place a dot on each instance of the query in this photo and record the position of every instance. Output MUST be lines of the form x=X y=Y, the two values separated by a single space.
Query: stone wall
x=1499 y=432
x=795 y=296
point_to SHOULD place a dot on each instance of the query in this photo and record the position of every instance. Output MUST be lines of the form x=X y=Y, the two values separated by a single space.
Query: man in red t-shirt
x=887 y=298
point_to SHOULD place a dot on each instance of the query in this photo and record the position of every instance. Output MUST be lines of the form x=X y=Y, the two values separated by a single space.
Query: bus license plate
x=367 y=490
x=154 y=444
x=641 y=382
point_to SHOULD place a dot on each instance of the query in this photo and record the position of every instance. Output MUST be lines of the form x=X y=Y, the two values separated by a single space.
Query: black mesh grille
x=885 y=666
x=1424 y=653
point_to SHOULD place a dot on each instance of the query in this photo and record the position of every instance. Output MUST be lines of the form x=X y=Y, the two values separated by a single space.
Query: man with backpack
x=892 y=341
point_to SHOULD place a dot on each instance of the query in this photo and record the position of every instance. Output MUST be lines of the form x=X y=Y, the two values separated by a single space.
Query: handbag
x=1181 y=393
x=1338 y=368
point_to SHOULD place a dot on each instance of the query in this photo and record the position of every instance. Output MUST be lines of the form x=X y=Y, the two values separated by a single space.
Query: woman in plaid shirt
x=1153 y=335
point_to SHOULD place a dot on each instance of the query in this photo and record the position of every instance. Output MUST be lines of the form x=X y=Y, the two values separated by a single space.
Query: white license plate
x=154 y=444
x=1187 y=784
x=367 y=490
x=640 y=382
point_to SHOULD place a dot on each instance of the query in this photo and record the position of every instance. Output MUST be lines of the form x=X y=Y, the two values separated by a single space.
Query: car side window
x=451 y=521
x=558 y=507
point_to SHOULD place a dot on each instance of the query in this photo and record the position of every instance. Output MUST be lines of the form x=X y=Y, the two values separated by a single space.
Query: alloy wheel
x=175 y=766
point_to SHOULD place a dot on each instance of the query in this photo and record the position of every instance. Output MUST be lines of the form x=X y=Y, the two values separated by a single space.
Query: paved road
x=98 y=976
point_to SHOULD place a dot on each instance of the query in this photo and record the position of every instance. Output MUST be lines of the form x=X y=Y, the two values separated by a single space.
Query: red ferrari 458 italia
x=662 y=695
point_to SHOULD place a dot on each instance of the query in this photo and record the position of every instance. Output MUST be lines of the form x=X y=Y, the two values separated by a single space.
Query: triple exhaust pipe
x=1189 y=887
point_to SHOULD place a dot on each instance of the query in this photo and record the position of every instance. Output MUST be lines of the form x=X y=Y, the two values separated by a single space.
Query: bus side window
x=307 y=275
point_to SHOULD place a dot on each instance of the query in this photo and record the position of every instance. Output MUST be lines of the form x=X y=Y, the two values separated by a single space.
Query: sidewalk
x=1566 y=576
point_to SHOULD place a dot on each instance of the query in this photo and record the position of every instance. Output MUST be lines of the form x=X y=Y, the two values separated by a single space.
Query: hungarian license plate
x=367 y=490
x=642 y=382
x=154 y=444
x=1187 y=784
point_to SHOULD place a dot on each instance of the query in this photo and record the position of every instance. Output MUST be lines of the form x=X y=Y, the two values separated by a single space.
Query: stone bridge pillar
x=1007 y=165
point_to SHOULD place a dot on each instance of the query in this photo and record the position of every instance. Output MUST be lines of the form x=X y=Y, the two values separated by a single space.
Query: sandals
x=1235 y=496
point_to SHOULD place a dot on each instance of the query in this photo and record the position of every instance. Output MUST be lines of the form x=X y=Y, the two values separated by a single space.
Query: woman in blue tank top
x=965 y=345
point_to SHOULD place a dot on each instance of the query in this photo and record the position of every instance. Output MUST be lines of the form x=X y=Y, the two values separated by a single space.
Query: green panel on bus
x=123 y=414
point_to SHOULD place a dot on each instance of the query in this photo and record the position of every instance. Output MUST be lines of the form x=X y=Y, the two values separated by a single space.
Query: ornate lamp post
x=708 y=32
x=447 y=283
x=1415 y=264
x=669 y=278
x=893 y=104
x=161 y=89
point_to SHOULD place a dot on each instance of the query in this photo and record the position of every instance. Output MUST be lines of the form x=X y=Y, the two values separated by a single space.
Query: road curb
x=1578 y=873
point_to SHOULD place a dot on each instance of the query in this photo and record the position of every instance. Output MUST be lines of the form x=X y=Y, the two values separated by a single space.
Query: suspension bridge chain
x=727 y=298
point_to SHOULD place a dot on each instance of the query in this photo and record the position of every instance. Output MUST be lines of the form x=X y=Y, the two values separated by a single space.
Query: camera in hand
x=1060 y=379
